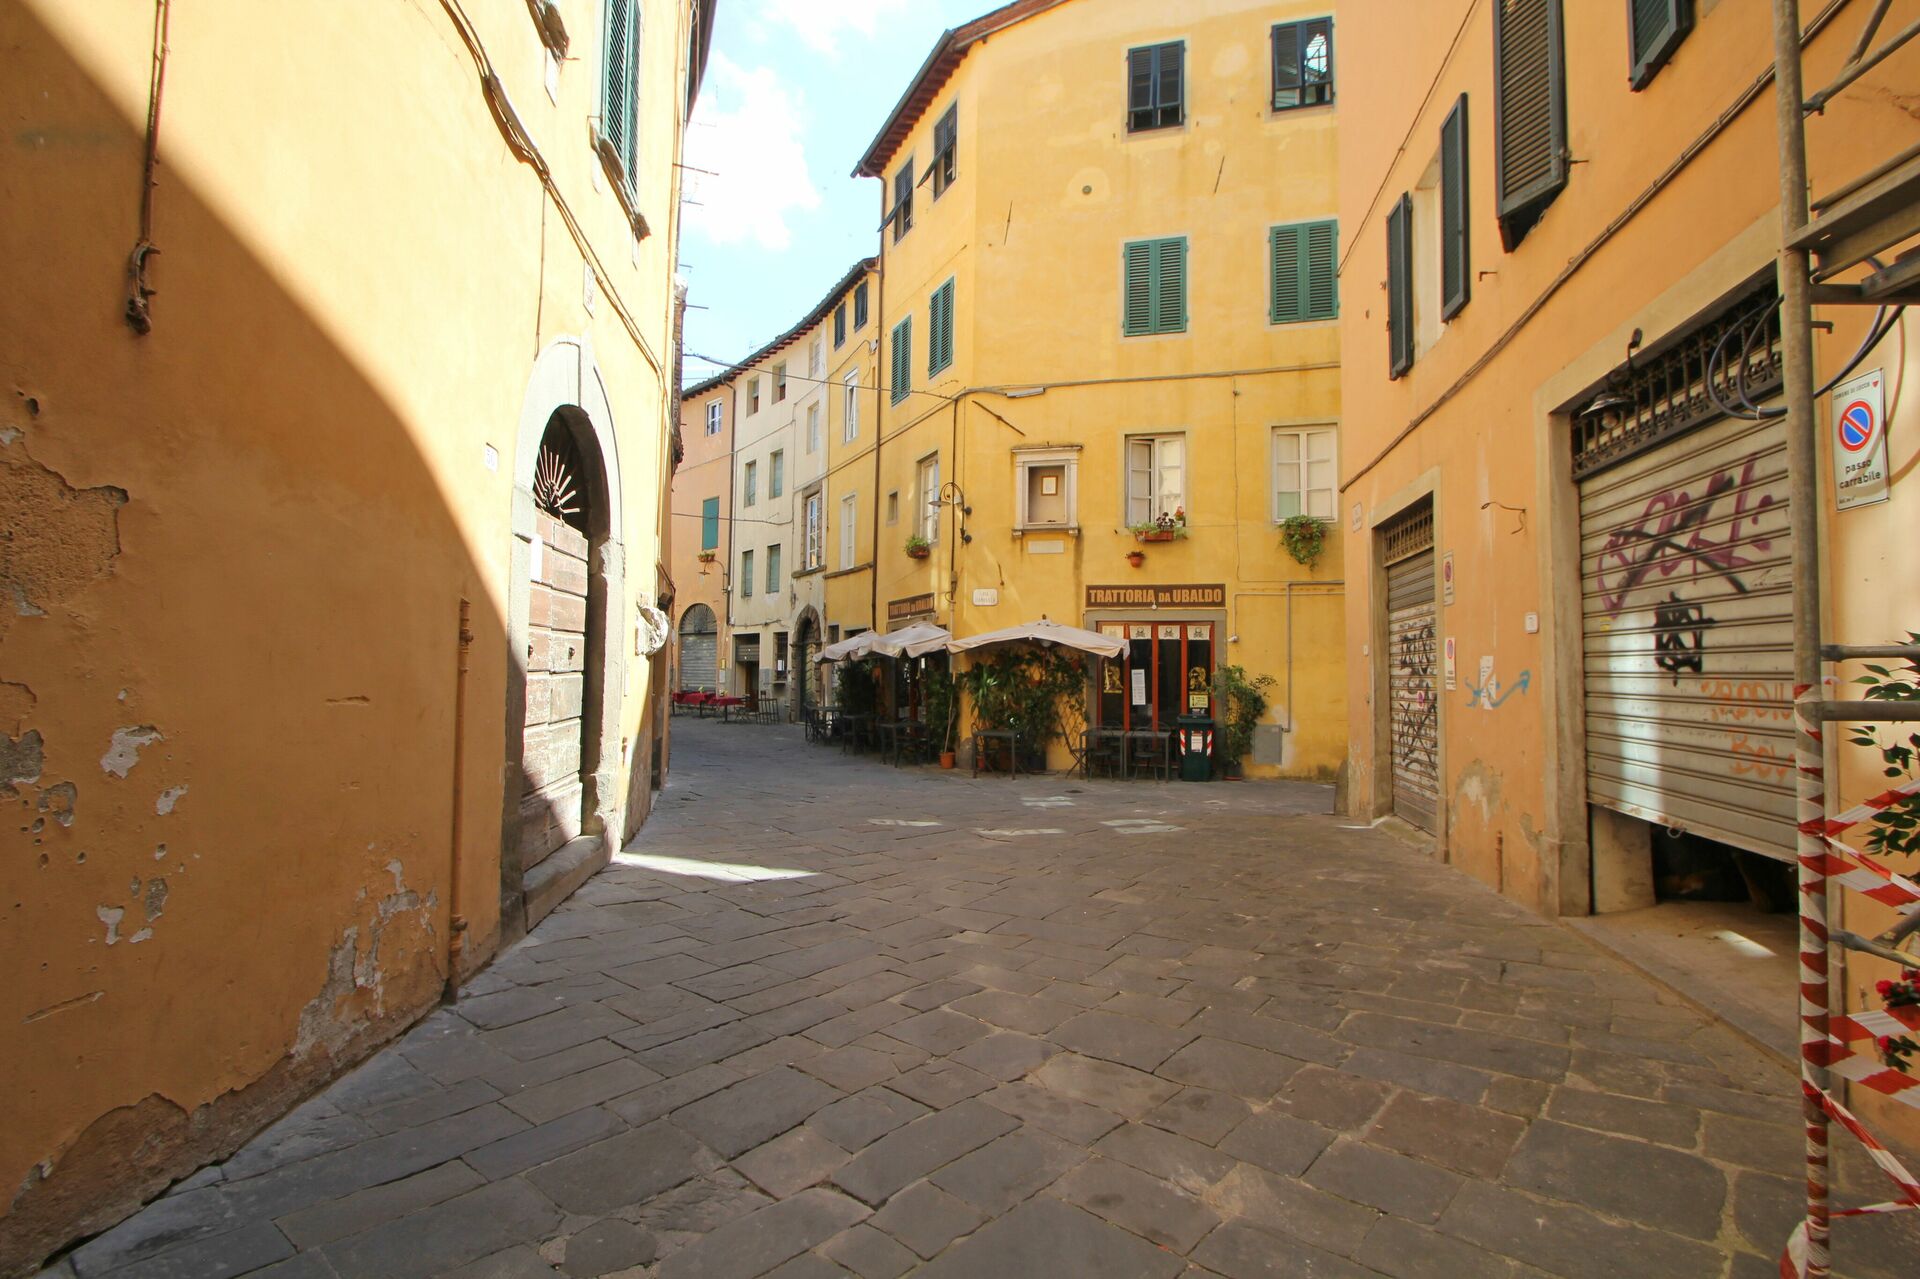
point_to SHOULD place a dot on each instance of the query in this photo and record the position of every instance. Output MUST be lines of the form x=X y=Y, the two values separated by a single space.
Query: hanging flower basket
x=918 y=548
x=707 y=557
x=1136 y=558
x=1156 y=535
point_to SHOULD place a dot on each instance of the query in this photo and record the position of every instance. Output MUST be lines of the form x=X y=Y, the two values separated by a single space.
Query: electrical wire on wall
x=139 y=317
x=1753 y=334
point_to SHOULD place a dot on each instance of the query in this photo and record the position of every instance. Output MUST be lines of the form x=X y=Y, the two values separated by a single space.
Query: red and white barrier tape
x=1794 y=1261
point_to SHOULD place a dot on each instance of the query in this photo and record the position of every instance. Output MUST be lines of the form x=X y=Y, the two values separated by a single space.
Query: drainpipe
x=457 y=922
x=1803 y=496
x=879 y=399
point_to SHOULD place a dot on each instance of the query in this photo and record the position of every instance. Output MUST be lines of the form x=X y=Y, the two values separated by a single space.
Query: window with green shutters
x=1302 y=263
x=620 y=84
x=1655 y=29
x=1154 y=287
x=1529 y=112
x=1456 y=259
x=902 y=373
x=940 y=329
x=1156 y=86
x=1400 y=287
x=710 y=524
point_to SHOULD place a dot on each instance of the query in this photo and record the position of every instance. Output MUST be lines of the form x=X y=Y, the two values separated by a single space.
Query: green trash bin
x=1196 y=747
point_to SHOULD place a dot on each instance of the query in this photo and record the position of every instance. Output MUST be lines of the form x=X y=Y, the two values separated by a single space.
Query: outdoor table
x=984 y=737
x=1108 y=745
x=1155 y=745
x=853 y=728
x=906 y=736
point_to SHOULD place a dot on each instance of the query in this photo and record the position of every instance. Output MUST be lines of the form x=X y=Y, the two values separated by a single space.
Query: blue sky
x=795 y=91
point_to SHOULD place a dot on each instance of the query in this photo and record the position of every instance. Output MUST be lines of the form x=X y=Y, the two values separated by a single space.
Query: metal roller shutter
x=1688 y=633
x=1414 y=708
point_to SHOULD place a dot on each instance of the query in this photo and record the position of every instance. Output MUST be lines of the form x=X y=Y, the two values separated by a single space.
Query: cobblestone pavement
x=830 y=1017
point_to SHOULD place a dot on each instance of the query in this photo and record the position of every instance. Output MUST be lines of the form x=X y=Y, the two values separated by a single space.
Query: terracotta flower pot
x=947 y=759
x=1158 y=535
x=1136 y=558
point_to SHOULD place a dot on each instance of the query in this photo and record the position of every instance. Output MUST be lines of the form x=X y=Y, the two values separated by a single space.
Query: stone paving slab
x=1204 y=1030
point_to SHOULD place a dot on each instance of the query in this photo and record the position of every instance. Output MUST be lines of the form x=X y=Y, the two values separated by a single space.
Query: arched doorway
x=560 y=738
x=566 y=611
x=806 y=645
x=699 y=650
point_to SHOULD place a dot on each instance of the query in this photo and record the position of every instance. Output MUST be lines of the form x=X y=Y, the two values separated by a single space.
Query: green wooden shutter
x=1170 y=293
x=1286 y=300
x=940 y=329
x=1321 y=270
x=620 y=82
x=1139 y=289
x=1303 y=265
x=902 y=359
x=710 y=524
x=1456 y=258
x=1656 y=28
x=1529 y=112
x=1170 y=88
x=1140 y=88
x=1400 y=287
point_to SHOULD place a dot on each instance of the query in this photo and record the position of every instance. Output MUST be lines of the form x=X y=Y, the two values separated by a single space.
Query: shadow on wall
x=232 y=593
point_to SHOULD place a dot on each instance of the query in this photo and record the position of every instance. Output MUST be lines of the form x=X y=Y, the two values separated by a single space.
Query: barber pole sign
x=1860 y=441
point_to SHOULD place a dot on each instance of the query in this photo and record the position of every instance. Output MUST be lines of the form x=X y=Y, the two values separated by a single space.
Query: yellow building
x=337 y=411
x=1108 y=304
x=1563 y=489
x=702 y=533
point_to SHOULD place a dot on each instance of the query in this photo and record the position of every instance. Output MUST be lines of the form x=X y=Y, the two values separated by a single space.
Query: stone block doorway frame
x=566 y=385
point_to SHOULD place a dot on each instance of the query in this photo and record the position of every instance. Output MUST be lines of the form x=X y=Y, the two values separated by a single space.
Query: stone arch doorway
x=562 y=792
x=699 y=650
x=804 y=649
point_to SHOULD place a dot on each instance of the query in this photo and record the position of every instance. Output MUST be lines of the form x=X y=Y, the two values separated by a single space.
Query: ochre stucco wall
x=238 y=546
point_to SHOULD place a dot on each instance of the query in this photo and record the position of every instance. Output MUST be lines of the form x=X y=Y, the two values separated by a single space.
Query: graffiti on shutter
x=1687 y=611
x=1412 y=651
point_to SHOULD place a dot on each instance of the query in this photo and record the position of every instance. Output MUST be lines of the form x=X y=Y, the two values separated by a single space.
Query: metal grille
x=1733 y=353
x=1410 y=533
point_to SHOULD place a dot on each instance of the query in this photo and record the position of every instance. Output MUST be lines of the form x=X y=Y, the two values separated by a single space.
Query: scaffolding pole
x=1803 y=495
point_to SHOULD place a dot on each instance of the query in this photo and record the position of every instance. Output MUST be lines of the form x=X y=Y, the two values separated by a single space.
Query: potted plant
x=1239 y=700
x=707 y=557
x=942 y=703
x=1305 y=537
x=918 y=548
x=1165 y=528
x=1136 y=558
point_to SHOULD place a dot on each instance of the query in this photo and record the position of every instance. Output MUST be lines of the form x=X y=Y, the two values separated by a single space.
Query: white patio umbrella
x=853 y=646
x=913 y=641
x=1044 y=632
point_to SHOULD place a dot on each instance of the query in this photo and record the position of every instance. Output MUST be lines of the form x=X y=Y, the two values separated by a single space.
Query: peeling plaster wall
x=236 y=548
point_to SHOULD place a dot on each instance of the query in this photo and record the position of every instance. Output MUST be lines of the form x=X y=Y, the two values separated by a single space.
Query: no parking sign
x=1860 y=441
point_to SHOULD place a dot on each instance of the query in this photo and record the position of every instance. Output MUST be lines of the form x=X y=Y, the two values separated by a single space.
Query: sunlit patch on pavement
x=898 y=821
x=728 y=872
x=1139 y=826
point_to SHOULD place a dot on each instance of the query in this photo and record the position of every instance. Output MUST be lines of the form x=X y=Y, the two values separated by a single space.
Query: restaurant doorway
x=1166 y=672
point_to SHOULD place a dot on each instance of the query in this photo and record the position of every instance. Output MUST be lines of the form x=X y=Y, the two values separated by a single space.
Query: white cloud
x=747 y=131
x=821 y=23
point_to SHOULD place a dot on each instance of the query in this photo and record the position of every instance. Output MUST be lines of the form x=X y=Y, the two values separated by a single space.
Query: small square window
x=893 y=507
x=1046 y=483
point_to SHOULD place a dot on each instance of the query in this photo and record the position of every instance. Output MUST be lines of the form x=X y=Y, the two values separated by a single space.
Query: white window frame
x=1304 y=436
x=926 y=487
x=715 y=416
x=1025 y=460
x=753 y=395
x=817 y=356
x=850 y=426
x=776 y=474
x=775 y=558
x=1161 y=498
x=750 y=484
x=814 y=549
x=813 y=427
x=849 y=526
x=746 y=574
x=780 y=382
